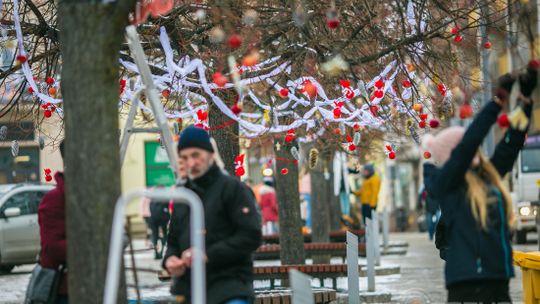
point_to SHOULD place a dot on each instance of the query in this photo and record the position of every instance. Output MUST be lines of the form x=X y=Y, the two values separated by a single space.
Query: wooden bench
x=284 y=296
x=335 y=236
x=317 y=271
x=271 y=251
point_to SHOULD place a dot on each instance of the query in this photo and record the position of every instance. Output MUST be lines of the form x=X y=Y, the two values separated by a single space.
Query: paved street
x=421 y=275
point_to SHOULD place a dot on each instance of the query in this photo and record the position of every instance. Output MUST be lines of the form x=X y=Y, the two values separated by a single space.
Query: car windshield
x=530 y=160
x=6 y=188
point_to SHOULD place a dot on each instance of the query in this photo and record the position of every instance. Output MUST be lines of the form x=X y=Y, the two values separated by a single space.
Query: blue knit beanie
x=195 y=137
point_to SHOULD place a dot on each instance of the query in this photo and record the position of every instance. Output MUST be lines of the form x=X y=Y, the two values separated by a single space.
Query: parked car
x=19 y=229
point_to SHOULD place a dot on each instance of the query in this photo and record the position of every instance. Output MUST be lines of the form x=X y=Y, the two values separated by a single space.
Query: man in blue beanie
x=233 y=227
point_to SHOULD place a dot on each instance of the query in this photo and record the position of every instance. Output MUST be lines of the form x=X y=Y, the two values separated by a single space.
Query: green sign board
x=157 y=165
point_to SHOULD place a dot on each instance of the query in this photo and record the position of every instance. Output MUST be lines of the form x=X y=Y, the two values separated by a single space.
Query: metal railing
x=178 y=196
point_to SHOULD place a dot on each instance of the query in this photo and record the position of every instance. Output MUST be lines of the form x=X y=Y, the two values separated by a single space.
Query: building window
x=23 y=168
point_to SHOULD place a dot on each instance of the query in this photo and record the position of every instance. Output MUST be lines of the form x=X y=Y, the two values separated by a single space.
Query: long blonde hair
x=478 y=191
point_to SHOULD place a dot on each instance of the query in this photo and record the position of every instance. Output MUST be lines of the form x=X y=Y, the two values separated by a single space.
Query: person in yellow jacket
x=369 y=192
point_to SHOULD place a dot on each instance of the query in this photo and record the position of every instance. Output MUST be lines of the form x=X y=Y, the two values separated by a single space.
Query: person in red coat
x=269 y=206
x=52 y=230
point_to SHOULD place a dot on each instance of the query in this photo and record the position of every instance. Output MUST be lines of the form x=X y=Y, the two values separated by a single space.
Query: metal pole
x=376 y=238
x=370 y=254
x=489 y=143
x=179 y=196
x=132 y=255
x=352 y=268
x=386 y=228
x=152 y=95
x=129 y=125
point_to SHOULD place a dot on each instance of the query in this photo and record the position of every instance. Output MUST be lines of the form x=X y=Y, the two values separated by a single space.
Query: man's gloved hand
x=528 y=80
x=504 y=87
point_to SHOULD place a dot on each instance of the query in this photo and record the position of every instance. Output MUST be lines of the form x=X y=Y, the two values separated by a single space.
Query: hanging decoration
x=239 y=165
x=14 y=148
x=313 y=157
x=48 y=176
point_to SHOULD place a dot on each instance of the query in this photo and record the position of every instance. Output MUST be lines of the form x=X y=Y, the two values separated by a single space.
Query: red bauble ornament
x=455 y=30
x=47 y=114
x=166 y=93
x=240 y=171
x=352 y=147
x=503 y=121
x=50 y=81
x=423 y=116
x=406 y=83
x=310 y=89
x=392 y=155
x=236 y=109
x=379 y=93
x=234 y=41
x=389 y=148
x=332 y=23
x=487 y=45
x=422 y=124
x=379 y=84
x=219 y=79
x=337 y=131
x=289 y=138
x=21 y=58
x=30 y=90
x=427 y=155
x=284 y=171
x=458 y=39
x=337 y=112
x=47 y=171
x=48 y=178
x=356 y=127
x=465 y=111
x=374 y=110
x=434 y=123
x=284 y=92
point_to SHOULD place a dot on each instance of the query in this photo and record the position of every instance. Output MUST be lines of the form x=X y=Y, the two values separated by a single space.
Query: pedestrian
x=369 y=192
x=432 y=211
x=145 y=213
x=233 y=227
x=159 y=221
x=269 y=207
x=476 y=206
x=52 y=232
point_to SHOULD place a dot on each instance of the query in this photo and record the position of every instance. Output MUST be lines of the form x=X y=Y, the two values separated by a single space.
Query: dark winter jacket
x=233 y=233
x=472 y=252
x=52 y=230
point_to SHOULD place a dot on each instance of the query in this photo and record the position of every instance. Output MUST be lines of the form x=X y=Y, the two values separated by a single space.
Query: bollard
x=301 y=288
x=376 y=238
x=370 y=254
x=386 y=227
x=352 y=268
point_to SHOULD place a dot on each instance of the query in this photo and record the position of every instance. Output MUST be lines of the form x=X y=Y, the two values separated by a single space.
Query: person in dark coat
x=52 y=231
x=432 y=211
x=476 y=207
x=233 y=227
x=159 y=221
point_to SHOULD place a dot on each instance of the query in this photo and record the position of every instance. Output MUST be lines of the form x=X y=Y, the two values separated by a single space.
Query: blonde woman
x=476 y=206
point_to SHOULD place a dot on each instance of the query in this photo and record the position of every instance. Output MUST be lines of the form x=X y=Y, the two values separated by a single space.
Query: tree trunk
x=334 y=207
x=320 y=208
x=224 y=132
x=288 y=197
x=91 y=34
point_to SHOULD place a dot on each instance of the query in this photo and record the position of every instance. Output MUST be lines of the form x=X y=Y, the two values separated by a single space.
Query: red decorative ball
x=332 y=23
x=458 y=39
x=379 y=84
x=47 y=171
x=356 y=127
x=389 y=148
x=406 y=83
x=392 y=155
x=47 y=114
x=434 y=123
x=284 y=171
x=455 y=30
x=21 y=58
x=236 y=109
x=289 y=138
x=219 y=79
x=48 y=178
x=240 y=171
x=50 y=81
x=234 y=41
x=487 y=45
x=427 y=155
x=337 y=113
x=30 y=90
x=352 y=147
x=422 y=124
x=503 y=121
x=284 y=92
x=337 y=131
x=310 y=89
x=423 y=116
x=465 y=111
x=166 y=93
x=374 y=110
x=379 y=93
